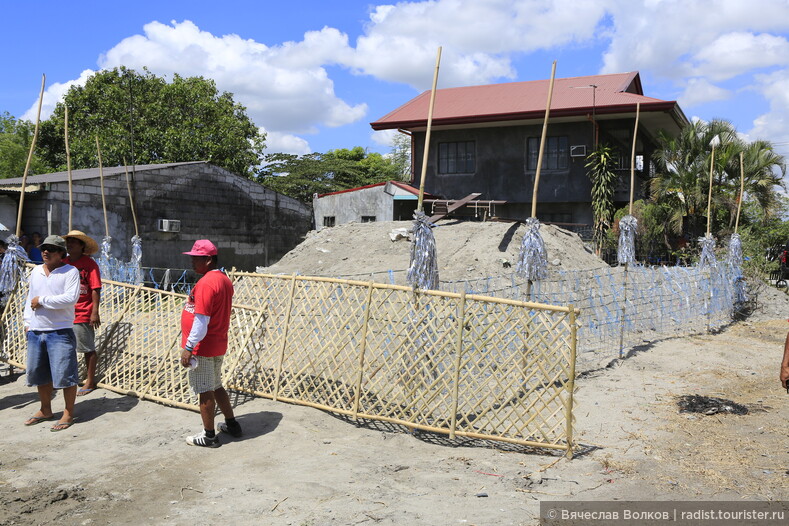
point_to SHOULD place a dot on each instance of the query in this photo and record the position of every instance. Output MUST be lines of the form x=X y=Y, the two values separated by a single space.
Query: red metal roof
x=401 y=185
x=615 y=93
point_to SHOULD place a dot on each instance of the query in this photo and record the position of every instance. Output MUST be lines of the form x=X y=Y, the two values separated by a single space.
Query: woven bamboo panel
x=461 y=365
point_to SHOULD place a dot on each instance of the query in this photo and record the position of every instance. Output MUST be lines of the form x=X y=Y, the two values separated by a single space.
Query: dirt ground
x=125 y=460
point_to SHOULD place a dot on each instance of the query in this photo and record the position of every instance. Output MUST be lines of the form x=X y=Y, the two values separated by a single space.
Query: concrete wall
x=351 y=206
x=250 y=224
x=501 y=169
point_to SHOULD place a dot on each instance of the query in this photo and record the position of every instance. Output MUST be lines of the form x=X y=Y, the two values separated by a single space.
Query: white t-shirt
x=57 y=294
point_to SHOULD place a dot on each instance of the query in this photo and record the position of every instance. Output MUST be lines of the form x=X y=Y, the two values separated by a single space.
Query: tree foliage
x=15 y=138
x=600 y=163
x=683 y=176
x=187 y=119
x=303 y=176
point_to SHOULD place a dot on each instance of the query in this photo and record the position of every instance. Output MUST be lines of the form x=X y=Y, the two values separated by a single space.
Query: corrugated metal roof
x=403 y=186
x=87 y=173
x=614 y=93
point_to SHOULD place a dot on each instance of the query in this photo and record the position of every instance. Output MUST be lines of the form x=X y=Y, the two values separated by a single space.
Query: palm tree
x=683 y=172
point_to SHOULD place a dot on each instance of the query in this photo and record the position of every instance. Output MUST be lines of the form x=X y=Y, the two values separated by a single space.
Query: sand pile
x=466 y=250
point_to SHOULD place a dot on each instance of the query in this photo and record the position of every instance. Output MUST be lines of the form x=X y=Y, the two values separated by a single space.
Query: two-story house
x=485 y=139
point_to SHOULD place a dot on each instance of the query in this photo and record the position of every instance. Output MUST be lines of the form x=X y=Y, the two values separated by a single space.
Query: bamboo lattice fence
x=456 y=364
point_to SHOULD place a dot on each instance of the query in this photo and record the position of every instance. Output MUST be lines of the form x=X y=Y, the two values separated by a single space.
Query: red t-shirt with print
x=89 y=280
x=211 y=296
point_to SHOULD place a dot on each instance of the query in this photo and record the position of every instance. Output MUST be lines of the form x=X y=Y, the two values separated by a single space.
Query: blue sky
x=314 y=73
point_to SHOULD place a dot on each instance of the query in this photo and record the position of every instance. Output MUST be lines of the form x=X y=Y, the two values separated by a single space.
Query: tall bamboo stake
x=101 y=180
x=68 y=168
x=542 y=143
x=742 y=193
x=539 y=158
x=131 y=198
x=630 y=212
x=427 y=134
x=709 y=195
x=29 y=158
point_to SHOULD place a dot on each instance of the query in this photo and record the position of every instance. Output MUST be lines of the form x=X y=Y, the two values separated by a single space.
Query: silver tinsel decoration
x=12 y=269
x=627 y=240
x=735 y=251
x=423 y=271
x=533 y=260
x=707 y=251
x=136 y=259
x=105 y=259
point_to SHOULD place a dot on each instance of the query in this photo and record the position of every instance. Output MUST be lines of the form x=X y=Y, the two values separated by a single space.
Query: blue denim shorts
x=52 y=358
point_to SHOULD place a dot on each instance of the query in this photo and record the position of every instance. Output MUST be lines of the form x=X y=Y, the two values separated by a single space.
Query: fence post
x=571 y=380
x=285 y=336
x=458 y=362
x=358 y=394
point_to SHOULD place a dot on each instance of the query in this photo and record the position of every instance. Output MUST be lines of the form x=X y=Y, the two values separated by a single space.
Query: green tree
x=15 y=138
x=187 y=119
x=600 y=163
x=317 y=173
x=683 y=176
x=400 y=156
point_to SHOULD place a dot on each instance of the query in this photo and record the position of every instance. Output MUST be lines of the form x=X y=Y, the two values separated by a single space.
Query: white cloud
x=384 y=137
x=54 y=94
x=773 y=126
x=285 y=143
x=699 y=91
x=738 y=52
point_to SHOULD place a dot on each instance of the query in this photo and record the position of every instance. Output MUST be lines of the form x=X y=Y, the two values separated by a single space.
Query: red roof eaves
x=398 y=184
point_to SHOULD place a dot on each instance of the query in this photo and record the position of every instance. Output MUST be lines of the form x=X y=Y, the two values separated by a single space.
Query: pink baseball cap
x=202 y=247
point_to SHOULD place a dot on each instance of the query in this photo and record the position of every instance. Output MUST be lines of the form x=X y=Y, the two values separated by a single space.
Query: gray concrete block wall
x=251 y=225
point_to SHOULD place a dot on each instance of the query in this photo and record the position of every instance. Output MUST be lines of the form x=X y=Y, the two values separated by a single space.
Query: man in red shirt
x=205 y=321
x=86 y=311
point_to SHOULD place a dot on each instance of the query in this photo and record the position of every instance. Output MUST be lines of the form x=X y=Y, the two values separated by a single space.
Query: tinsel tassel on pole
x=627 y=240
x=735 y=251
x=136 y=260
x=423 y=271
x=533 y=259
x=105 y=258
x=12 y=269
x=707 y=252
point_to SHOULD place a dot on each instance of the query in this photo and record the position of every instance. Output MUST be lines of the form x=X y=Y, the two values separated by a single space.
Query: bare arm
x=95 y=319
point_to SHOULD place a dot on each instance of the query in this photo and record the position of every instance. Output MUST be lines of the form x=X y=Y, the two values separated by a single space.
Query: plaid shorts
x=207 y=376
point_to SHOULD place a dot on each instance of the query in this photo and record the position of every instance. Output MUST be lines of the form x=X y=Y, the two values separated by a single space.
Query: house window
x=457 y=157
x=328 y=220
x=368 y=219
x=555 y=157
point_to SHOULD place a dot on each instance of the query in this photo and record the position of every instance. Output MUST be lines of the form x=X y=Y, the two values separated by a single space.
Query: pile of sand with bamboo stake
x=466 y=250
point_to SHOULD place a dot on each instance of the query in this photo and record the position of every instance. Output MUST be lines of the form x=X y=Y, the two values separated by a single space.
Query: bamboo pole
x=742 y=193
x=285 y=336
x=458 y=364
x=68 y=168
x=571 y=381
x=131 y=199
x=29 y=158
x=539 y=157
x=360 y=376
x=542 y=142
x=630 y=211
x=709 y=195
x=101 y=179
x=427 y=134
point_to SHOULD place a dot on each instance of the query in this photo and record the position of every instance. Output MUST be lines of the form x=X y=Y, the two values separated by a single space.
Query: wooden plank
x=454 y=206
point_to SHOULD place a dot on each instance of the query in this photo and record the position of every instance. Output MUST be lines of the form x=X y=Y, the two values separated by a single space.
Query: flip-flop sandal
x=84 y=391
x=61 y=426
x=34 y=420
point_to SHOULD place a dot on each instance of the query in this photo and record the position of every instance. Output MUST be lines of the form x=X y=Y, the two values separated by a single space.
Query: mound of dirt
x=466 y=250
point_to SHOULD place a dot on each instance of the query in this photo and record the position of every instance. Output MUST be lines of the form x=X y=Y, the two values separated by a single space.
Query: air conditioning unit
x=578 y=151
x=169 y=225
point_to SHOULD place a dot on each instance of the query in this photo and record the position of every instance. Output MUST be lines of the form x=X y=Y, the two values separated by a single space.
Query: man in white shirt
x=49 y=322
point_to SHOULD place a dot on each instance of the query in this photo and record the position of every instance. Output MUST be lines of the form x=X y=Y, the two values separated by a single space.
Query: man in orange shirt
x=205 y=321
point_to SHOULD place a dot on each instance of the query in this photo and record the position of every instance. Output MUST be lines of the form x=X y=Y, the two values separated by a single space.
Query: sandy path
x=125 y=461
